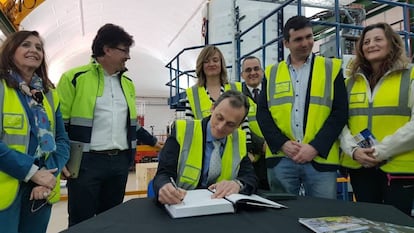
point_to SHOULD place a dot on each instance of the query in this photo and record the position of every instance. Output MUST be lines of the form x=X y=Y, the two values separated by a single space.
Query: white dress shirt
x=251 y=88
x=109 y=129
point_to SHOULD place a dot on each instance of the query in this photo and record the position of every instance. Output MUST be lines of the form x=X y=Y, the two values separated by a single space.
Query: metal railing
x=325 y=28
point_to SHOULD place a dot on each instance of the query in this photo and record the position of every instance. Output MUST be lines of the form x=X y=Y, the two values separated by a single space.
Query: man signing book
x=209 y=153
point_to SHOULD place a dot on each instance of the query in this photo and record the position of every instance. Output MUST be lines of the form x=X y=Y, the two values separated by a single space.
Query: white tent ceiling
x=160 y=29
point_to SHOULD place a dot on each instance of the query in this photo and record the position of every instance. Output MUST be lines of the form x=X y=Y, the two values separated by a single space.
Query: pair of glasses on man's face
x=126 y=51
x=250 y=69
x=38 y=204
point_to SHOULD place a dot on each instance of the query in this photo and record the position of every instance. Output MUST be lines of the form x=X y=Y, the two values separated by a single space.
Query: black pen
x=175 y=186
x=173 y=183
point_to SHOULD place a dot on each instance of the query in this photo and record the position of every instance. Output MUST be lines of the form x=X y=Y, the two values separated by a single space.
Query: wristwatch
x=239 y=183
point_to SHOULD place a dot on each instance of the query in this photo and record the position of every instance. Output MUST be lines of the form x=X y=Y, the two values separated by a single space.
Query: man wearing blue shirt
x=187 y=156
x=301 y=114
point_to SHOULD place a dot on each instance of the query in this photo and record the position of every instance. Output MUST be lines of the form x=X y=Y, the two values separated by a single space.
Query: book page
x=253 y=200
x=199 y=202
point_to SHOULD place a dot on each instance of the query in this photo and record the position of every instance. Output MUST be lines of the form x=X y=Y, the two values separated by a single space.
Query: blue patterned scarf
x=33 y=95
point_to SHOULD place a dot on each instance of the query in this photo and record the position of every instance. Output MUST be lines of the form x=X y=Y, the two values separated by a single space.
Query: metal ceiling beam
x=6 y=26
x=373 y=8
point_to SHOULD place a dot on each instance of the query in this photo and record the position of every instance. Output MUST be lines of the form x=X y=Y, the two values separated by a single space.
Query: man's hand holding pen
x=171 y=194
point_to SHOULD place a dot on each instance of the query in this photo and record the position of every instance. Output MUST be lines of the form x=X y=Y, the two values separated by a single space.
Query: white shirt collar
x=251 y=88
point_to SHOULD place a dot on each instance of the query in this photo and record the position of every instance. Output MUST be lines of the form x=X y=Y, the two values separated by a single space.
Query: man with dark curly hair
x=98 y=107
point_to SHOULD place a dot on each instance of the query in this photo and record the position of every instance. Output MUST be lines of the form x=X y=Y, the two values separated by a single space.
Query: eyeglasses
x=126 y=51
x=38 y=204
x=250 y=69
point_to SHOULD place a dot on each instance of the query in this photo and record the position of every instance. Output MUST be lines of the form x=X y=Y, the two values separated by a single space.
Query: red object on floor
x=146 y=153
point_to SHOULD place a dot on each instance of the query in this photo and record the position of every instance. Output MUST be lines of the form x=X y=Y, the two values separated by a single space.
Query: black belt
x=108 y=152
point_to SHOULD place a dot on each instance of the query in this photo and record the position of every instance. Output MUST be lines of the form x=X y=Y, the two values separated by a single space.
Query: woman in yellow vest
x=212 y=81
x=380 y=92
x=33 y=143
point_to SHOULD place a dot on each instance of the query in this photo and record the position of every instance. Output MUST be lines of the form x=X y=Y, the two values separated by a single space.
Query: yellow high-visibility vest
x=200 y=102
x=388 y=112
x=189 y=135
x=16 y=134
x=280 y=97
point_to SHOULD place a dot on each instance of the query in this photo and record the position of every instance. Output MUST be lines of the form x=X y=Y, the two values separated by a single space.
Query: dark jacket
x=257 y=141
x=168 y=159
x=326 y=136
x=144 y=137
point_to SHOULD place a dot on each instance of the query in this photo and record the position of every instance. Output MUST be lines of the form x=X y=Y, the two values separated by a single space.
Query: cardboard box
x=144 y=173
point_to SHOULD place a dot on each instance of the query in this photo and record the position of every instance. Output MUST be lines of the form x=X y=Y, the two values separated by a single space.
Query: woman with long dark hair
x=34 y=146
x=380 y=92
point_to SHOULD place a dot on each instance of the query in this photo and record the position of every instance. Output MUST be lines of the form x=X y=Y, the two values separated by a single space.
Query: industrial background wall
x=157 y=114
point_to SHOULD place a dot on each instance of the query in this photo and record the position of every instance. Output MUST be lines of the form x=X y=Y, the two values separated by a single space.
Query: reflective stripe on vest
x=251 y=117
x=79 y=121
x=189 y=135
x=78 y=111
x=233 y=153
x=324 y=100
x=280 y=96
x=389 y=107
x=16 y=135
x=401 y=109
x=200 y=101
x=189 y=171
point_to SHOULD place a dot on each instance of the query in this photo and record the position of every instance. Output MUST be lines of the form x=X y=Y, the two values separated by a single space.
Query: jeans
x=18 y=218
x=292 y=176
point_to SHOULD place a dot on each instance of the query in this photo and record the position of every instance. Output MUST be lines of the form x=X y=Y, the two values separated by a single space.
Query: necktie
x=256 y=94
x=214 y=169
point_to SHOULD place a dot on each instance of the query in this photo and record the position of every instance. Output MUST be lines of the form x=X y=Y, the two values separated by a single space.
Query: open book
x=199 y=202
x=348 y=224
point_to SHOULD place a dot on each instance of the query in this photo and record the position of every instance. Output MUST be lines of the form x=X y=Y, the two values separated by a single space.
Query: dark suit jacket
x=168 y=159
x=246 y=91
x=257 y=141
x=257 y=149
x=326 y=136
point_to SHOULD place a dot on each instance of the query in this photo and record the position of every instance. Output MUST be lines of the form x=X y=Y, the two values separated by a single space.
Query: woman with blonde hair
x=212 y=81
x=380 y=92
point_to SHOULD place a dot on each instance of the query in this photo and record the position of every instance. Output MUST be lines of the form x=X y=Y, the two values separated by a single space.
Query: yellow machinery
x=16 y=10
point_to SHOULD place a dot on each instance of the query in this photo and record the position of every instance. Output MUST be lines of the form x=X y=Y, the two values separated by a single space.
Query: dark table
x=143 y=215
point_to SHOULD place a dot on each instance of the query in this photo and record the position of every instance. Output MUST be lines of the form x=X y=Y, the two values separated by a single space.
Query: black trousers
x=100 y=185
x=373 y=185
x=261 y=172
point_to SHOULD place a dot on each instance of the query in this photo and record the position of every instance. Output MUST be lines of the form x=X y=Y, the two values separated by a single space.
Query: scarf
x=32 y=92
